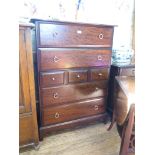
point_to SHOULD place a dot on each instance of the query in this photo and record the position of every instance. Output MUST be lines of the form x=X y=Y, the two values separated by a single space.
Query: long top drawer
x=73 y=35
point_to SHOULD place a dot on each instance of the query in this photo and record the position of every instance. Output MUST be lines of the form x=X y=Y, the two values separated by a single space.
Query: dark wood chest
x=73 y=70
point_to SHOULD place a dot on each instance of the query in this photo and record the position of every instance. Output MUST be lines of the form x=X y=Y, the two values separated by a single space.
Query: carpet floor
x=90 y=140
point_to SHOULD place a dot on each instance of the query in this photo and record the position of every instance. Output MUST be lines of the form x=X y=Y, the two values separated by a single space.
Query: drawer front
x=100 y=74
x=59 y=35
x=51 y=78
x=78 y=76
x=70 y=93
x=73 y=111
x=127 y=72
x=71 y=58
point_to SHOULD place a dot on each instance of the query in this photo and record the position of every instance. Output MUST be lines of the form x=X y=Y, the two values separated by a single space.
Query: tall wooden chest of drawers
x=73 y=70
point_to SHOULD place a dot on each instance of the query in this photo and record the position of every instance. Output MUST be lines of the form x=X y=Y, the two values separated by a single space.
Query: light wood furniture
x=124 y=113
x=73 y=71
x=117 y=70
x=28 y=128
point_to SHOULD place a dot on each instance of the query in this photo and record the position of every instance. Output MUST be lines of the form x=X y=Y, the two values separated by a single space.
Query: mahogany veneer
x=73 y=71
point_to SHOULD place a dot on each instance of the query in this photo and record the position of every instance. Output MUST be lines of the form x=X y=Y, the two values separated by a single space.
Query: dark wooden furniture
x=117 y=70
x=73 y=70
x=124 y=113
x=28 y=127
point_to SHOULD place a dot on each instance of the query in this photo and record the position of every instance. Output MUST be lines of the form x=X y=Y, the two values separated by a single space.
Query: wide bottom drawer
x=72 y=111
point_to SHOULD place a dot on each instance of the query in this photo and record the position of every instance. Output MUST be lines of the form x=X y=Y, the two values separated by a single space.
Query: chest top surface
x=127 y=84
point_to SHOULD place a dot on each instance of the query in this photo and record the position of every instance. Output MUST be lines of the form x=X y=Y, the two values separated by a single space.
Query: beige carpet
x=91 y=140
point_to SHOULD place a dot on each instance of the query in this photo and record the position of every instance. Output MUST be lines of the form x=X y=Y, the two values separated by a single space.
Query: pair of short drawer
x=48 y=79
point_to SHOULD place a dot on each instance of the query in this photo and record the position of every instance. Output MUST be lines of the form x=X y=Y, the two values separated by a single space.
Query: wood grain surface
x=70 y=93
x=72 y=58
x=57 y=35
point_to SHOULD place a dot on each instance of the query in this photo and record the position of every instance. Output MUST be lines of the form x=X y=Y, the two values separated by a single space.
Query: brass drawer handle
x=56 y=59
x=55 y=95
x=100 y=74
x=78 y=76
x=99 y=57
x=57 y=115
x=96 y=107
x=101 y=36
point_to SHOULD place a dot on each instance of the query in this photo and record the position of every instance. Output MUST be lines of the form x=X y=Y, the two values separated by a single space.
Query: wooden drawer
x=78 y=76
x=51 y=78
x=70 y=35
x=72 y=111
x=71 y=58
x=100 y=74
x=127 y=72
x=70 y=93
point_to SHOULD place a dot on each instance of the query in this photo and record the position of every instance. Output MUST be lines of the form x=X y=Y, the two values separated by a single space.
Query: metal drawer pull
x=133 y=72
x=78 y=31
x=78 y=76
x=55 y=95
x=99 y=57
x=100 y=36
x=96 y=107
x=56 y=59
x=100 y=74
x=57 y=115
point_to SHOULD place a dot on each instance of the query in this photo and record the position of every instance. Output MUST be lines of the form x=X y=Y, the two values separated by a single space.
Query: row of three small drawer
x=72 y=76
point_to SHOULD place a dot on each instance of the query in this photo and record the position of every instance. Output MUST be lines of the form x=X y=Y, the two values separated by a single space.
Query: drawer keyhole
x=79 y=32
x=53 y=78
x=96 y=107
x=100 y=74
x=78 y=76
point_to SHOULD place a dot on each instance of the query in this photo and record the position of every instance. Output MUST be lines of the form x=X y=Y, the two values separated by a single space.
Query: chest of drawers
x=73 y=71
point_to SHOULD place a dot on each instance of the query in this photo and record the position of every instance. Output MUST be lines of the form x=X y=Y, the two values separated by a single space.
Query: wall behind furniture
x=118 y=12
